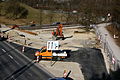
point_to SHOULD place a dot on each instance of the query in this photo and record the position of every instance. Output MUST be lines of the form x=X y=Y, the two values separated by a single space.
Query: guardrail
x=28 y=27
x=114 y=62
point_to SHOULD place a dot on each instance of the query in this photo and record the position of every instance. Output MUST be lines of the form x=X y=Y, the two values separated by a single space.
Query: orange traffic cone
x=37 y=60
x=65 y=74
x=23 y=49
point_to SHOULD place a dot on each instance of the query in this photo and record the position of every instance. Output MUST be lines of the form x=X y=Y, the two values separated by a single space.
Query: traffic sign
x=52 y=45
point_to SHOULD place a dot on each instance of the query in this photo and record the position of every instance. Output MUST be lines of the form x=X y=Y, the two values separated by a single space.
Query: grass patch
x=43 y=16
x=36 y=15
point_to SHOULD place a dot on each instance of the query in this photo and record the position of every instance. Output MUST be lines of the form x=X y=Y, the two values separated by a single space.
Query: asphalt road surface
x=91 y=61
x=14 y=66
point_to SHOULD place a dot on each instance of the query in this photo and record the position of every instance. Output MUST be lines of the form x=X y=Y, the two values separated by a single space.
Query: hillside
x=36 y=15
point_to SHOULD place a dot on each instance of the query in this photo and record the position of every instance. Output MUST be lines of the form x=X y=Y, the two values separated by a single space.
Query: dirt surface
x=84 y=57
x=72 y=40
x=60 y=66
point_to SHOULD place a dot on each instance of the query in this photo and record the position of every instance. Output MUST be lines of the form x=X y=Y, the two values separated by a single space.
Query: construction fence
x=113 y=61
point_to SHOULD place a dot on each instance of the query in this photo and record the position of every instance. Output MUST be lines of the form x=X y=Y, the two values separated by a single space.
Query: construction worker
x=60 y=29
x=32 y=23
x=54 y=33
x=58 y=34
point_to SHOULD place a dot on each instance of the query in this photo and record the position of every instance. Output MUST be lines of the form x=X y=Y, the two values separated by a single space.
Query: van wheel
x=59 y=59
x=40 y=57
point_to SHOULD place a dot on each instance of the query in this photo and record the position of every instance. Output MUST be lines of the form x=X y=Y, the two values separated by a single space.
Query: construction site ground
x=86 y=60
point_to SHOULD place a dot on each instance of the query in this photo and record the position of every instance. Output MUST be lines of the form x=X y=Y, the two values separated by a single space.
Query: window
x=44 y=50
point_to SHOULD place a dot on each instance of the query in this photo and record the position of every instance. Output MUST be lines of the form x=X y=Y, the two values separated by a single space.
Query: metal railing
x=114 y=62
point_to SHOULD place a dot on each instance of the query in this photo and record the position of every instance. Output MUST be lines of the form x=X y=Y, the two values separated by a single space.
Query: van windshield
x=43 y=50
x=40 y=49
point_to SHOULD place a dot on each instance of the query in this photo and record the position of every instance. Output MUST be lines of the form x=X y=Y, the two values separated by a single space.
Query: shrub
x=12 y=9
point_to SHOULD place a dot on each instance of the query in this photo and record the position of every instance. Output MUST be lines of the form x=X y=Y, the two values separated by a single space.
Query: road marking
x=30 y=74
x=10 y=56
x=3 y=50
x=16 y=62
x=13 y=77
x=13 y=59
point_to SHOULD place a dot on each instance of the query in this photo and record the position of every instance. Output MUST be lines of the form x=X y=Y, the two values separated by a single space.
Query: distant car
x=56 y=79
x=92 y=26
x=59 y=78
x=55 y=23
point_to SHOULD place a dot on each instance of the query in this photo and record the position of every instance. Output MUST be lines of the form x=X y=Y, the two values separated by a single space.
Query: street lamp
x=74 y=11
x=108 y=18
x=109 y=15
